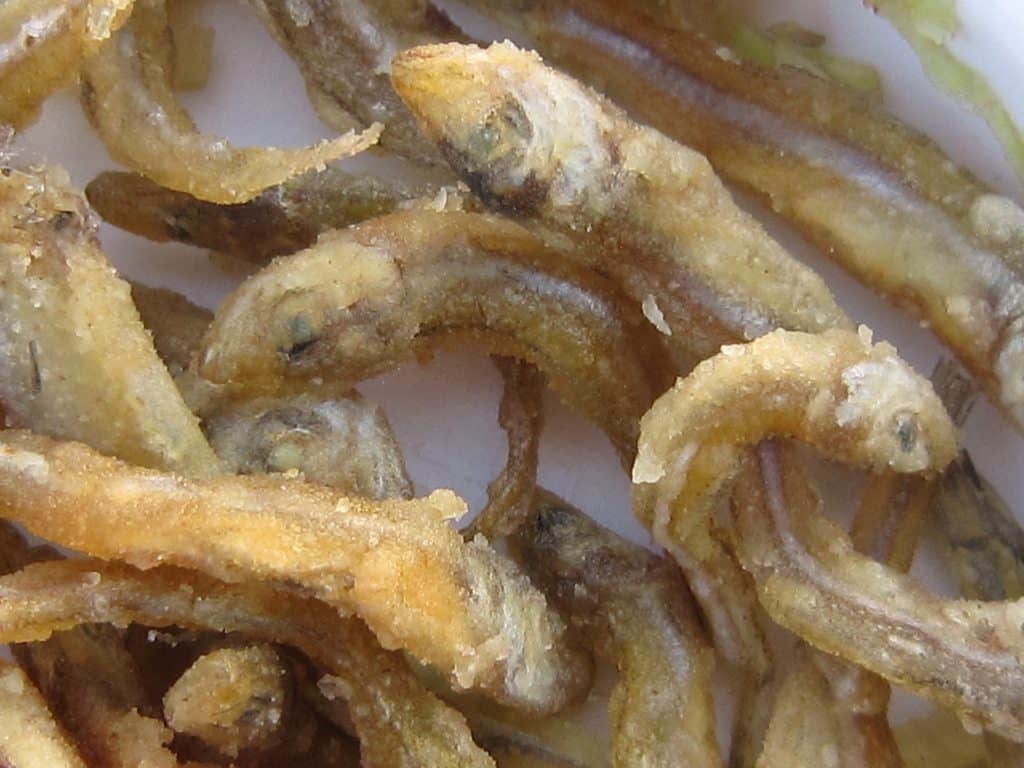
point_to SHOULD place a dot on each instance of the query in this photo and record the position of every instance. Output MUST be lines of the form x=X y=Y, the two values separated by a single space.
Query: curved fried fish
x=856 y=402
x=961 y=654
x=127 y=95
x=366 y=299
x=635 y=609
x=540 y=147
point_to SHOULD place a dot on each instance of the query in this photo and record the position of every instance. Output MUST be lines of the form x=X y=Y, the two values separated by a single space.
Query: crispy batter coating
x=521 y=415
x=826 y=710
x=343 y=442
x=857 y=403
x=635 y=609
x=879 y=197
x=541 y=147
x=344 y=50
x=281 y=219
x=175 y=324
x=371 y=297
x=29 y=735
x=291 y=732
x=128 y=96
x=42 y=46
x=224 y=700
x=960 y=654
x=75 y=361
x=456 y=605
x=231 y=698
x=400 y=724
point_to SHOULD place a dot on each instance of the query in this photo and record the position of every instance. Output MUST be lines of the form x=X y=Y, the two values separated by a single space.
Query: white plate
x=445 y=413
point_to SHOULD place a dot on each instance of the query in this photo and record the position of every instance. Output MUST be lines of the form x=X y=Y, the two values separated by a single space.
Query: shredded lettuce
x=928 y=26
x=791 y=45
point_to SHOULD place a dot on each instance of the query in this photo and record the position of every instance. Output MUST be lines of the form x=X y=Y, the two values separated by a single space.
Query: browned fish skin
x=635 y=609
x=280 y=220
x=521 y=415
x=344 y=50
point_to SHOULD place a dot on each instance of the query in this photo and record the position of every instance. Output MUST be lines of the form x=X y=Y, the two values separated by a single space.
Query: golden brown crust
x=90 y=682
x=48 y=40
x=398 y=565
